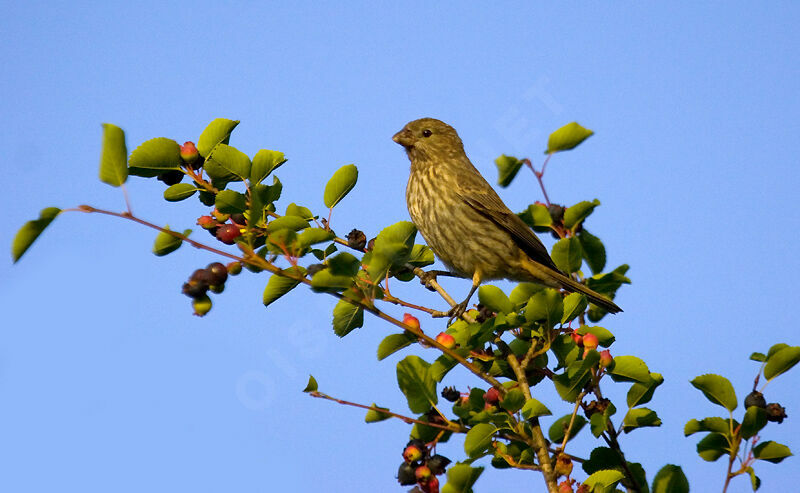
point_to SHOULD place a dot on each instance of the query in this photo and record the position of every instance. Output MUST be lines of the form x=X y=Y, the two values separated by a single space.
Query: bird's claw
x=426 y=279
x=456 y=311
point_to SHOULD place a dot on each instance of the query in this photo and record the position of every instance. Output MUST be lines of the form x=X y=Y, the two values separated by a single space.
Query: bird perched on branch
x=464 y=221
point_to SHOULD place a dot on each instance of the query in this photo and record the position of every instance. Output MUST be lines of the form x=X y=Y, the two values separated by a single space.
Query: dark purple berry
x=218 y=273
x=775 y=412
x=755 y=398
x=356 y=239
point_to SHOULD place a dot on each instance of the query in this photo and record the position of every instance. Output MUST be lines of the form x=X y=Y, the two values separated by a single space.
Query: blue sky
x=108 y=382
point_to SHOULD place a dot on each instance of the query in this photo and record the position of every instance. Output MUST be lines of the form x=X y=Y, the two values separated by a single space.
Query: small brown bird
x=464 y=221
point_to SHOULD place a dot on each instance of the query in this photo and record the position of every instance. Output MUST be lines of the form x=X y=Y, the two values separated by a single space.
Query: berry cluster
x=420 y=467
x=218 y=226
x=212 y=278
x=775 y=412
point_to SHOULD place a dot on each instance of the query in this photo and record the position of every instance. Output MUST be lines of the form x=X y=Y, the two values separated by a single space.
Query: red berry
x=577 y=338
x=446 y=340
x=606 y=359
x=206 y=222
x=423 y=473
x=412 y=453
x=218 y=273
x=411 y=320
x=189 y=152
x=227 y=233
x=590 y=341
x=432 y=486
x=563 y=465
x=565 y=486
x=492 y=396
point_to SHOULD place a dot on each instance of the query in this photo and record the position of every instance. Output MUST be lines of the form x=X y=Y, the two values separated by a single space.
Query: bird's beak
x=404 y=137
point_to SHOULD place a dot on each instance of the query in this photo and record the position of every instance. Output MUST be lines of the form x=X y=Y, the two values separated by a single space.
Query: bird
x=465 y=222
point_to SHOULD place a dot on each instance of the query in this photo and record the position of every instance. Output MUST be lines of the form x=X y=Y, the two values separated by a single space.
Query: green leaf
x=292 y=223
x=670 y=479
x=226 y=163
x=640 y=417
x=494 y=299
x=601 y=458
x=160 y=154
x=375 y=415
x=760 y=357
x=278 y=285
x=609 y=282
x=421 y=255
x=537 y=217
x=441 y=366
x=629 y=369
x=604 y=336
x=594 y=252
x=775 y=348
x=567 y=254
x=717 y=389
x=558 y=429
x=479 y=439
x=604 y=481
x=218 y=131
x=755 y=481
x=114 y=156
x=344 y=264
x=231 y=202
x=311 y=386
x=346 y=317
x=264 y=163
x=166 y=243
x=460 y=478
x=713 y=424
x=523 y=291
x=570 y=383
x=545 y=305
x=567 y=137
x=340 y=184
x=712 y=447
x=31 y=230
x=574 y=305
x=416 y=383
x=299 y=211
x=507 y=168
x=575 y=214
x=534 y=409
x=771 y=451
x=642 y=392
x=393 y=247
x=179 y=191
x=312 y=236
x=781 y=361
x=325 y=282
x=755 y=418
x=395 y=342
x=513 y=401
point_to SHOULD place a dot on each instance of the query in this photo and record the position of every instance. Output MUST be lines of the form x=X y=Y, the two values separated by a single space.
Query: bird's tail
x=554 y=278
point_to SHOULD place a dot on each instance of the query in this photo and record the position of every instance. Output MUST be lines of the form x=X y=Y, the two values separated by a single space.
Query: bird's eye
x=426 y=133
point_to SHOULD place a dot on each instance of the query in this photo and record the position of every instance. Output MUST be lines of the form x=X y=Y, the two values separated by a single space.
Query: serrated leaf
x=755 y=418
x=311 y=386
x=30 y=231
x=375 y=415
x=507 y=168
x=278 y=285
x=479 y=439
x=346 y=317
x=340 y=184
x=494 y=299
x=421 y=255
x=226 y=163
x=230 y=202
x=712 y=447
x=640 y=417
x=760 y=357
x=771 y=451
x=558 y=429
x=533 y=409
x=179 y=191
x=416 y=383
x=218 y=131
x=642 y=392
x=460 y=478
x=166 y=243
x=575 y=214
x=567 y=137
x=594 y=252
x=670 y=479
x=264 y=163
x=160 y=154
x=717 y=389
x=568 y=255
x=604 y=481
x=781 y=361
x=114 y=156
x=629 y=369
x=393 y=343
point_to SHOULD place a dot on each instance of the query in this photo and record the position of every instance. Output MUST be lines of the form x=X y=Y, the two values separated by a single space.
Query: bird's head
x=428 y=137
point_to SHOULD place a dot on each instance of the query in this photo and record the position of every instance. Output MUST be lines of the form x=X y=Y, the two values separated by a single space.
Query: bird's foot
x=427 y=278
x=456 y=311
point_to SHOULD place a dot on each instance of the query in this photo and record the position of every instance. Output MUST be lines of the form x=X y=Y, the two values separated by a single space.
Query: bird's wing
x=486 y=201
